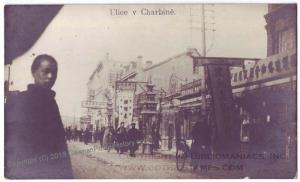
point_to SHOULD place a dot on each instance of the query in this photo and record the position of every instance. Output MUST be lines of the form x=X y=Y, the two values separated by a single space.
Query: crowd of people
x=120 y=139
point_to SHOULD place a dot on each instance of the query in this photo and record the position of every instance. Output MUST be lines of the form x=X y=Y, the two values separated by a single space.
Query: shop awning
x=24 y=24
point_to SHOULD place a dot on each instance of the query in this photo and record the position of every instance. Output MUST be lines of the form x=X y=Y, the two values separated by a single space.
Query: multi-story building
x=100 y=93
x=265 y=94
x=167 y=76
x=281 y=28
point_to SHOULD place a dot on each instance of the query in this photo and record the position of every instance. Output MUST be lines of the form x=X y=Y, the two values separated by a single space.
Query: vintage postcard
x=150 y=91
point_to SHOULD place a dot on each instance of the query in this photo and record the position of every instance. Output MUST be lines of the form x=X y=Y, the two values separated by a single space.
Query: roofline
x=160 y=63
x=167 y=60
x=231 y=58
x=128 y=76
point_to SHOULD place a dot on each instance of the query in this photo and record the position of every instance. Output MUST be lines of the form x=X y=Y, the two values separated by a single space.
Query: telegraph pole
x=203 y=32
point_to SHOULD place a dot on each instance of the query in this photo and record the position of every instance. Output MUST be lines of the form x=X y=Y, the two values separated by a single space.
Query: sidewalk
x=239 y=168
x=166 y=152
x=217 y=168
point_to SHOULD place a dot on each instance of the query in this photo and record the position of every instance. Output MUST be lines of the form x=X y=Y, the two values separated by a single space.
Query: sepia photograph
x=150 y=91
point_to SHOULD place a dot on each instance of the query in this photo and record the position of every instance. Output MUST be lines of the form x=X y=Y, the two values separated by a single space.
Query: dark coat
x=133 y=135
x=201 y=133
x=35 y=145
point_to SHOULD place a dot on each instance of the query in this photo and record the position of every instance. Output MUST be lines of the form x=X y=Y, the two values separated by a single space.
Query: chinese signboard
x=271 y=68
x=93 y=104
x=125 y=85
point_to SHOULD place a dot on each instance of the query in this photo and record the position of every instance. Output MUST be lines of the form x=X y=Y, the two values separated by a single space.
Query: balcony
x=192 y=88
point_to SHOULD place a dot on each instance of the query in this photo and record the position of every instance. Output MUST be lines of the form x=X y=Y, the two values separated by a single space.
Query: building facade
x=167 y=77
x=100 y=93
x=281 y=28
x=265 y=94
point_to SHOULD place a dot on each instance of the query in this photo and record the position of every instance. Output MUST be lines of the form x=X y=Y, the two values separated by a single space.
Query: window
x=286 y=40
x=125 y=101
x=241 y=75
x=235 y=77
x=285 y=63
x=125 y=108
x=245 y=73
x=251 y=73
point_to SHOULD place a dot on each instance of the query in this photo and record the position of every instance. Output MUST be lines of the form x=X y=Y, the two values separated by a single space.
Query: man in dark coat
x=68 y=133
x=35 y=144
x=87 y=135
x=133 y=135
x=156 y=138
x=201 y=134
x=121 y=138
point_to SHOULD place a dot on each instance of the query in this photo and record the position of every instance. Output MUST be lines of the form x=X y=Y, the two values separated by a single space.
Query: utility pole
x=203 y=32
x=202 y=25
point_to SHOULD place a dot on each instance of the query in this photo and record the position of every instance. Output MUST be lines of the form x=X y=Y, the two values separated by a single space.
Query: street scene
x=190 y=114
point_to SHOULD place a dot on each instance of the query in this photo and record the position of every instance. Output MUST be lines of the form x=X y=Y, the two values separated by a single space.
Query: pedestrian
x=201 y=134
x=101 y=136
x=106 y=138
x=75 y=134
x=121 y=138
x=34 y=129
x=111 y=138
x=81 y=132
x=86 y=135
x=133 y=135
x=68 y=133
x=156 y=138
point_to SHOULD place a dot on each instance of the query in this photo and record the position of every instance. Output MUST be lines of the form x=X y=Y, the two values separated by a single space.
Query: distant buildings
x=263 y=90
x=167 y=76
x=100 y=93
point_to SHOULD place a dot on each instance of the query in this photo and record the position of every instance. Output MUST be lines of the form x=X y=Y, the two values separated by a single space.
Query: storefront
x=267 y=118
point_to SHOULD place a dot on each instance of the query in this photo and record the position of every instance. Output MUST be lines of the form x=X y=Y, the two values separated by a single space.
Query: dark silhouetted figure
x=121 y=137
x=68 y=133
x=156 y=138
x=201 y=134
x=35 y=144
x=133 y=135
x=81 y=132
x=86 y=136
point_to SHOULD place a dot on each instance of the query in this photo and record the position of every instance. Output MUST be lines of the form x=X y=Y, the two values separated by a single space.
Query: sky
x=80 y=36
